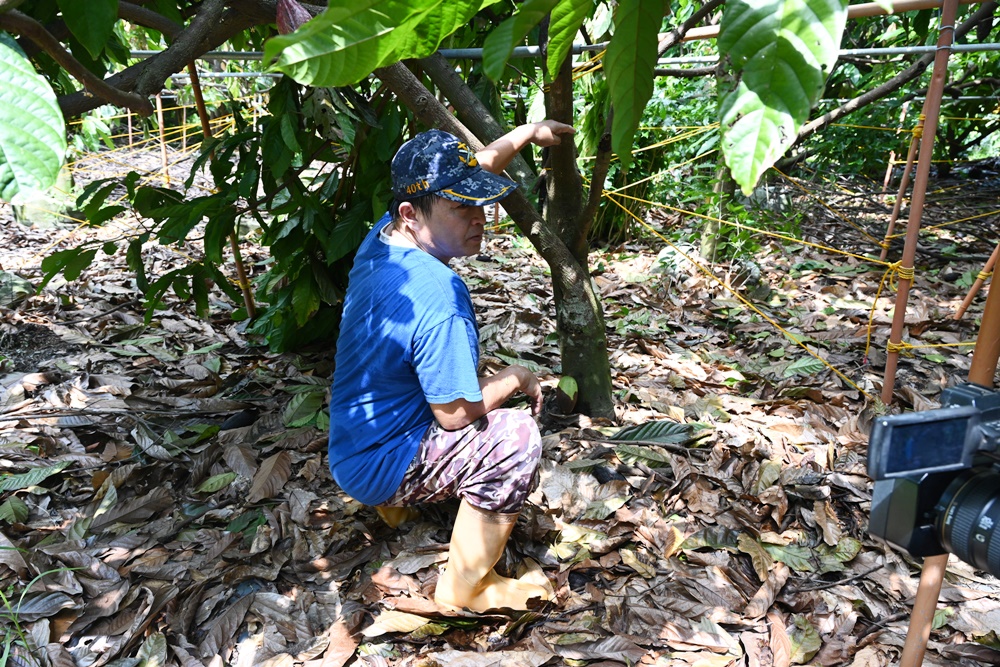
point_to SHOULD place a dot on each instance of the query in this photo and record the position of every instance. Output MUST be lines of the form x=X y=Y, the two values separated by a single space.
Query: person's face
x=451 y=230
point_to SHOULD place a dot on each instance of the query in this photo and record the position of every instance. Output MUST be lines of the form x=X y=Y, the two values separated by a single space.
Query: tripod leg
x=923 y=611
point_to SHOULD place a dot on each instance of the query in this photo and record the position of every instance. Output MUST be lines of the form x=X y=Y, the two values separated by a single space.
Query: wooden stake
x=932 y=108
x=129 y=128
x=206 y=130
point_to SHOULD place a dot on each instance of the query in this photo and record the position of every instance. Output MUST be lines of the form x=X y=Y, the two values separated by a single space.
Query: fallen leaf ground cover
x=164 y=495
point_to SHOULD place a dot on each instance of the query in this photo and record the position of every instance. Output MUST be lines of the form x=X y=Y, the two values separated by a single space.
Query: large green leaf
x=424 y=32
x=32 y=130
x=91 y=22
x=629 y=66
x=780 y=52
x=33 y=477
x=501 y=42
x=351 y=38
x=564 y=23
x=655 y=431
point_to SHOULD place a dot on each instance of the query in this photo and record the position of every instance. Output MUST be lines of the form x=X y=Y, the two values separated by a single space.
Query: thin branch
x=913 y=71
x=147 y=18
x=24 y=25
x=212 y=26
x=7 y=5
x=675 y=36
x=684 y=72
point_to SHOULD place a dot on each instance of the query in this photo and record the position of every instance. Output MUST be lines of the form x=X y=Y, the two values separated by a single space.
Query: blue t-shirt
x=408 y=338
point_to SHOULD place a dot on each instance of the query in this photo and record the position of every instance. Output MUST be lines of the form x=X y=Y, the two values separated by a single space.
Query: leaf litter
x=164 y=495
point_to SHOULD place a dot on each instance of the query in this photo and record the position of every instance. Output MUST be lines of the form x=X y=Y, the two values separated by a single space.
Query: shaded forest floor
x=164 y=495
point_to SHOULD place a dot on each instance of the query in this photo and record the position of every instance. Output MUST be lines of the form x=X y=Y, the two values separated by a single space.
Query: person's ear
x=407 y=212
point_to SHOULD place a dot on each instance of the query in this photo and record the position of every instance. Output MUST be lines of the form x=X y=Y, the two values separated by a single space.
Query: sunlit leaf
x=216 y=482
x=780 y=52
x=32 y=129
x=33 y=477
x=564 y=25
x=629 y=65
x=501 y=41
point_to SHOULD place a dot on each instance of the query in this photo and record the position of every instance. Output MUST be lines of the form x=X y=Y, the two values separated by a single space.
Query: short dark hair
x=422 y=204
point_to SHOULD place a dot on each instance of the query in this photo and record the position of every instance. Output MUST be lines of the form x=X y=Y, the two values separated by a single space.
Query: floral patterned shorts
x=491 y=464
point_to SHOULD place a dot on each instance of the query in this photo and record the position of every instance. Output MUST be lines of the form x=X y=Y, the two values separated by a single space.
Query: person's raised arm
x=496 y=390
x=495 y=157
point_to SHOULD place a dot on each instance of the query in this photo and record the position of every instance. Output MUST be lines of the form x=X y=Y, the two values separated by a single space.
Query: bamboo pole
x=163 y=140
x=980 y=279
x=234 y=245
x=931 y=111
x=904 y=183
x=981 y=371
x=892 y=156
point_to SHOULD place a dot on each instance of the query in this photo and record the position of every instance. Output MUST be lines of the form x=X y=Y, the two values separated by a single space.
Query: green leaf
x=501 y=42
x=91 y=22
x=665 y=431
x=14 y=510
x=804 y=366
x=564 y=24
x=351 y=38
x=302 y=408
x=216 y=482
x=32 y=130
x=716 y=537
x=644 y=454
x=780 y=52
x=71 y=262
x=33 y=477
x=424 y=32
x=629 y=65
x=805 y=640
x=793 y=555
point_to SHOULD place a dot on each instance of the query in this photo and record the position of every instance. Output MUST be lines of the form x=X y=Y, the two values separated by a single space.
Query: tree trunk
x=725 y=186
x=583 y=339
x=578 y=309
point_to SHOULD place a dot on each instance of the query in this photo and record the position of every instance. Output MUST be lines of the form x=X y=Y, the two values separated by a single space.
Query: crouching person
x=410 y=420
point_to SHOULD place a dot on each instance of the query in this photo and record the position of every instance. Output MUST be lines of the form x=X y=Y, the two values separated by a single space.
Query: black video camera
x=937 y=479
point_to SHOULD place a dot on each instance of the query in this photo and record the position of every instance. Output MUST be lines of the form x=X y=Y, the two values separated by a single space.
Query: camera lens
x=968 y=514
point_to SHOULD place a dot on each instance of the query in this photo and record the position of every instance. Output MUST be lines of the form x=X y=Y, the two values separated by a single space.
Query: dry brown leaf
x=271 y=477
x=222 y=630
x=137 y=509
x=765 y=595
x=781 y=643
x=241 y=460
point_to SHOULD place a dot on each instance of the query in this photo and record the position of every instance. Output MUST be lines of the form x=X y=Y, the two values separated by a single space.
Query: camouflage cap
x=435 y=162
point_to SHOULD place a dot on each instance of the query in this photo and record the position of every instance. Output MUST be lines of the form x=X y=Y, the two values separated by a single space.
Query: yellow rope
x=984 y=275
x=950 y=222
x=765 y=232
x=737 y=295
x=661 y=173
x=830 y=208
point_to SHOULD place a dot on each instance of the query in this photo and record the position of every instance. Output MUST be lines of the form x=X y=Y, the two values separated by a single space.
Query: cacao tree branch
x=674 y=37
x=213 y=25
x=563 y=184
x=7 y=5
x=22 y=24
x=473 y=114
x=602 y=164
x=984 y=12
x=147 y=18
